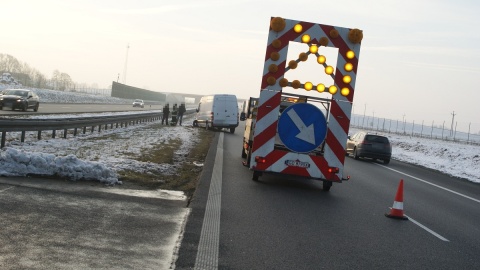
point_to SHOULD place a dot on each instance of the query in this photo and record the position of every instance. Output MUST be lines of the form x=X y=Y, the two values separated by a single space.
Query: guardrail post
x=65 y=133
x=39 y=135
x=4 y=135
x=74 y=132
x=54 y=134
x=22 y=138
x=84 y=130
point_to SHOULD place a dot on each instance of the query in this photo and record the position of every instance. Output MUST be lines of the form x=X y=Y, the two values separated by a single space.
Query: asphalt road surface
x=54 y=224
x=286 y=223
x=80 y=108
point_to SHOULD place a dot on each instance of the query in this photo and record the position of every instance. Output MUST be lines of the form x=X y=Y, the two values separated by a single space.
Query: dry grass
x=187 y=174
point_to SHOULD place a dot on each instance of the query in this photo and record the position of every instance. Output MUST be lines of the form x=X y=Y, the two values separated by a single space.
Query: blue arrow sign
x=302 y=127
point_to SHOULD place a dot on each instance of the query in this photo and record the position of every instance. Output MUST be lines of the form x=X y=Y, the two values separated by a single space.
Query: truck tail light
x=333 y=170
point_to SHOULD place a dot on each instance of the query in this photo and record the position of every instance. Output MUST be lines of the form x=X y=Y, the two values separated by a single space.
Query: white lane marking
x=427 y=229
x=426 y=182
x=6 y=189
x=207 y=253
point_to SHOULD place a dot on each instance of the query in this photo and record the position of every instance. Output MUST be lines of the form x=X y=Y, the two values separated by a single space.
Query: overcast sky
x=419 y=60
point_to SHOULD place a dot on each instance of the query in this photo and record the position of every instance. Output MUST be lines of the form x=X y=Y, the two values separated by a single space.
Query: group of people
x=177 y=114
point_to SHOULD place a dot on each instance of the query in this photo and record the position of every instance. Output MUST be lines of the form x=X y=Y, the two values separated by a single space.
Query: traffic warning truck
x=301 y=128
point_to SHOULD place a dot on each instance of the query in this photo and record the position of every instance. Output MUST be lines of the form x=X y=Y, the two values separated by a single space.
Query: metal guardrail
x=92 y=123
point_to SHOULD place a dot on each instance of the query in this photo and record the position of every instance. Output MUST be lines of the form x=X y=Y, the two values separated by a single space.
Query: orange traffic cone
x=396 y=211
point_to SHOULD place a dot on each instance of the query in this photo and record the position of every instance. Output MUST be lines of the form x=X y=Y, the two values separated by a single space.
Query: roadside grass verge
x=186 y=175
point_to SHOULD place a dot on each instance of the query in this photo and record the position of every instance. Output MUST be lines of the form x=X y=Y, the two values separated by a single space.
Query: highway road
x=46 y=108
x=286 y=223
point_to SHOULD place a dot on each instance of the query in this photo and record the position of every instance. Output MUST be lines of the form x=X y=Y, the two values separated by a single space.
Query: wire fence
x=94 y=91
x=402 y=127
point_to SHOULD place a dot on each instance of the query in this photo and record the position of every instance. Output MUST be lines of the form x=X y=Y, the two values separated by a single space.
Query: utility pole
x=125 y=67
x=451 y=128
x=364 y=111
x=373 y=119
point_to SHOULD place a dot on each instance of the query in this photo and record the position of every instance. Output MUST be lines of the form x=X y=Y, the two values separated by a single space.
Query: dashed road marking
x=427 y=229
x=435 y=185
x=5 y=189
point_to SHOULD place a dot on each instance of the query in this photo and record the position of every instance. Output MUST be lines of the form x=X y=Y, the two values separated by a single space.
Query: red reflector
x=260 y=159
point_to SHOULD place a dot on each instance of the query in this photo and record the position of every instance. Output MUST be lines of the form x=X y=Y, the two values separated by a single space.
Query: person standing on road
x=166 y=112
x=181 y=111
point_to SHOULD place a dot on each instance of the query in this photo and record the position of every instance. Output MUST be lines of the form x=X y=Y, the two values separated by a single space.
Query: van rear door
x=225 y=111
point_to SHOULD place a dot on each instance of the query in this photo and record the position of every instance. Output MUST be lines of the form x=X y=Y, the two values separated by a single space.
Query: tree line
x=31 y=77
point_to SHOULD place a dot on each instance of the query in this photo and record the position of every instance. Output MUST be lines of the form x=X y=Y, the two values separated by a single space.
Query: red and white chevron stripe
x=340 y=108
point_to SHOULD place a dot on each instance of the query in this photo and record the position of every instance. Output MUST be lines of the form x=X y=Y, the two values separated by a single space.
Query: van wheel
x=386 y=161
x=232 y=130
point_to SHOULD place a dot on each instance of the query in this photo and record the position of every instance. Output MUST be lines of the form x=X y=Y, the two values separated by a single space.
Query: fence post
x=421 y=131
x=431 y=132
x=468 y=135
x=443 y=128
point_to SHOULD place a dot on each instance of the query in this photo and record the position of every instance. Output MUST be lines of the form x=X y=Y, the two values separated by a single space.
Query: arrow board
x=302 y=127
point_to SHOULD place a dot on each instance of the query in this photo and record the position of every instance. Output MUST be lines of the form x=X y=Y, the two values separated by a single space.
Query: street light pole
x=451 y=127
x=364 y=111
x=125 y=67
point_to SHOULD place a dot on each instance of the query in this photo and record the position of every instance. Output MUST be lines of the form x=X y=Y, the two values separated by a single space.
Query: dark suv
x=22 y=99
x=366 y=145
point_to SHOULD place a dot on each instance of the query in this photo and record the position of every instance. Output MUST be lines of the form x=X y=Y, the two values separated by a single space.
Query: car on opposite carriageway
x=22 y=99
x=138 y=103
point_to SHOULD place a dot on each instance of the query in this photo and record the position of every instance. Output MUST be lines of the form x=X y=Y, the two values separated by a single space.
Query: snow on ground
x=455 y=159
x=92 y=156
x=100 y=156
x=96 y=156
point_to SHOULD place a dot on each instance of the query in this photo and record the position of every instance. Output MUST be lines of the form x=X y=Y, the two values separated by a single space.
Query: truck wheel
x=244 y=155
x=327 y=185
x=386 y=161
x=355 y=154
x=232 y=130
x=256 y=175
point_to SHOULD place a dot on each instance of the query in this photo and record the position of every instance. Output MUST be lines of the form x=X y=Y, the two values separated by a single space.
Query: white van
x=217 y=112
